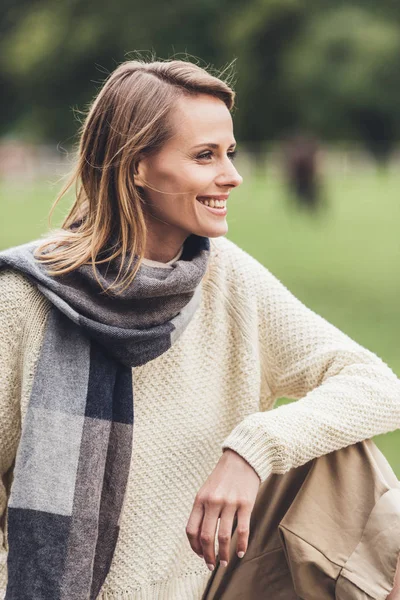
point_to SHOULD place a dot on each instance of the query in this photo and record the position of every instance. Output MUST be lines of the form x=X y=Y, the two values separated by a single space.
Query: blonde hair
x=128 y=119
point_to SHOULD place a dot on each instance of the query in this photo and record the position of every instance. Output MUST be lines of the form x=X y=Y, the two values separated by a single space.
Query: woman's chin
x=215 y=231
x=209 y=228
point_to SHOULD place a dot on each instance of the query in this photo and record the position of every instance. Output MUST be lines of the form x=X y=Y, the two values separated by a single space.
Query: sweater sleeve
x=345 y=393
x=13 y=294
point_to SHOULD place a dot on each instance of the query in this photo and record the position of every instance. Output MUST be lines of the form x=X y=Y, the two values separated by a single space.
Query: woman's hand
x=231 y=488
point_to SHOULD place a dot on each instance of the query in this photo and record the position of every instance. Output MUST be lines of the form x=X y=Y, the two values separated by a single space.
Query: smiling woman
x=187 y=182
x=143 y=164
x=141 y=353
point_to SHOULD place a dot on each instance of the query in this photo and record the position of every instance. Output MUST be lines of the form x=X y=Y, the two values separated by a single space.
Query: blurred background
x=317 y=121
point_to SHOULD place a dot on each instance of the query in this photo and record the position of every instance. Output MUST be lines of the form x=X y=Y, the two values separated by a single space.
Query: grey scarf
x=73 y=459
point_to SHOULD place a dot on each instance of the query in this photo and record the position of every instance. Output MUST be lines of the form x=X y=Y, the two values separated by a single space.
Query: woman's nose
x=230 y=176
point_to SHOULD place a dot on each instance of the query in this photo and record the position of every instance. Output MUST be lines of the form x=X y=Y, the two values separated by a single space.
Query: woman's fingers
x=202 y=527
x=243 y=527
x=212 y=509
x=225 y=532
x=231 y=488
x=194 y=525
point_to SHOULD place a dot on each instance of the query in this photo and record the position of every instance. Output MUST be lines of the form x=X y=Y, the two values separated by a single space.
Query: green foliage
x=259 y=33
x=54 y=57
x=345 y=74
x=328 y=66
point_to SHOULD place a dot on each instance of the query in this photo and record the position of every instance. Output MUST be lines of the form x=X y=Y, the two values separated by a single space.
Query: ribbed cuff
x=253 y=444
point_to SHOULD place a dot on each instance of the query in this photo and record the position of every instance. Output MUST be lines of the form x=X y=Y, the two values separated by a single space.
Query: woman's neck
x=163 y=245
x=161 y=254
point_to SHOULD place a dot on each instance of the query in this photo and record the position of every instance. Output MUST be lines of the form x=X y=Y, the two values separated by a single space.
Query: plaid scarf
x=73 y=459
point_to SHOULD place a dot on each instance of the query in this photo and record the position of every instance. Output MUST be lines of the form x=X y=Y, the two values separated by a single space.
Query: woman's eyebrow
x=212 y=145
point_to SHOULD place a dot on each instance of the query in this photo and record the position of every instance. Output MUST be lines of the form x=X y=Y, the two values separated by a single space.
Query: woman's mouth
x=214 y=205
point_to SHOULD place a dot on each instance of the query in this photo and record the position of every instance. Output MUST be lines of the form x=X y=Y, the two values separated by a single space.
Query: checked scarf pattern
x=73 y=459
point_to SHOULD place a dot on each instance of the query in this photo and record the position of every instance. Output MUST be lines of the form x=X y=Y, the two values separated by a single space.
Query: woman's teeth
x=213 y=203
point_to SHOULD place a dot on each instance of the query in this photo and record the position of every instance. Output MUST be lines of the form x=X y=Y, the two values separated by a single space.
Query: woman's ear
x=139 y=173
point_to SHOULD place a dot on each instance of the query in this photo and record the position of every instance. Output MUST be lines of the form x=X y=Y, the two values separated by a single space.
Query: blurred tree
x=344 y=73
x=51 y=54
x=326 y=66
x=259 y=32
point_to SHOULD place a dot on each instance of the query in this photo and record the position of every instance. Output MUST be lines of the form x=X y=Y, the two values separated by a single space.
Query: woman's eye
x=207 y=155
x=232 y=154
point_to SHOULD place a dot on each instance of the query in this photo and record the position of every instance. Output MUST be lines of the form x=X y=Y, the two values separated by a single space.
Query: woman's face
x=192 y=170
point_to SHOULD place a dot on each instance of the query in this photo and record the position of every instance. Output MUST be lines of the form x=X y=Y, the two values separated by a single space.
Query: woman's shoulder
x=236 y=263
x=229 y=253
x=238 y=274
x=15 y=287
x=239 y=277
x=18 y=297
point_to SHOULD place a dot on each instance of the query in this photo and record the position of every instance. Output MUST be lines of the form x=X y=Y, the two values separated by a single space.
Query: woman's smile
x=215 y=204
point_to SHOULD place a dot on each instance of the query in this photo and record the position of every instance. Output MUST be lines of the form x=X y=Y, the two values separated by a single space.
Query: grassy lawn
x=344 y=264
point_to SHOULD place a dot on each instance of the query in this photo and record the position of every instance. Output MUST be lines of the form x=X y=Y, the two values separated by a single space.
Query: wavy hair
x=127 y=120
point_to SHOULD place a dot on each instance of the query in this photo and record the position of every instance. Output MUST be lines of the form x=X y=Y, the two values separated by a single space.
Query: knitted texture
x=250 y=342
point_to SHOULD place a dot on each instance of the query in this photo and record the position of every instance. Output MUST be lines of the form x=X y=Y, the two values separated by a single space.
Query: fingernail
x=224 y=563
x=210 y=566
x=241 y=554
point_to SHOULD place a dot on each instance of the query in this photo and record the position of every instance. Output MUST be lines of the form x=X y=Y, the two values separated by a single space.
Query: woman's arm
x=345 y=393
x=13 y=294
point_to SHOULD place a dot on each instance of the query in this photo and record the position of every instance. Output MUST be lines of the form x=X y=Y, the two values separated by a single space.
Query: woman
x=139 y=317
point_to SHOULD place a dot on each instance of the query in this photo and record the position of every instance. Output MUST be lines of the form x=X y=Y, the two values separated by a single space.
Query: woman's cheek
x=205 y=182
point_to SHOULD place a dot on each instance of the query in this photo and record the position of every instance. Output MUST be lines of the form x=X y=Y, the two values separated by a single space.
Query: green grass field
x=344 y=264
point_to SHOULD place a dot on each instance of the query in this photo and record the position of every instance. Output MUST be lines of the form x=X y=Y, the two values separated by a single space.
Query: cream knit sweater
x=250 y=342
